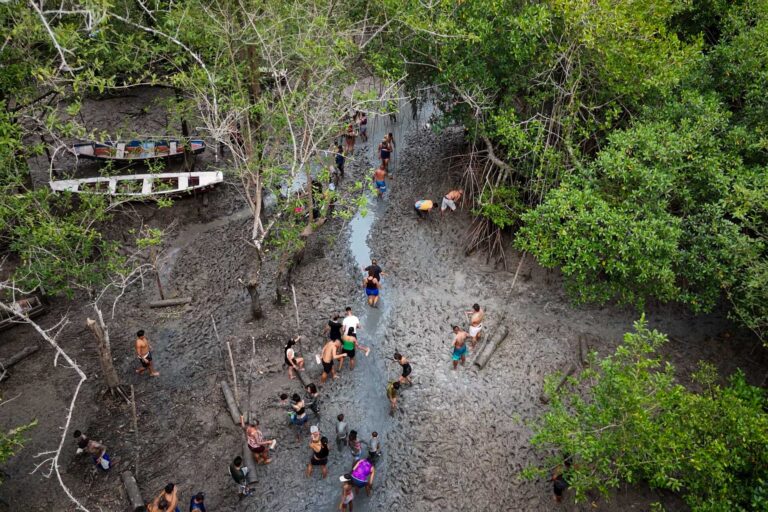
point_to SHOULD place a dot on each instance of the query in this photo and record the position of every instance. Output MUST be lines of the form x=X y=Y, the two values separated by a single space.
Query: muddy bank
x=460 y=438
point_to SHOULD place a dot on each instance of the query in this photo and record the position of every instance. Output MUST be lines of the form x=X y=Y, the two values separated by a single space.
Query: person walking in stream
x=363 y=124
x=333 y=328
x=349 y=348
x=371 y=287
x=405 y=366
x=459 y=346
x=331 y=353
x=350 y=320
x=374 y=270
x=385 y=151
x=380 y=180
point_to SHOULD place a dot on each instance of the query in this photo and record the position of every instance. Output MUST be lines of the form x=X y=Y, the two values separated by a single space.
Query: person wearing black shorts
x=406 y=368
x=319 y=457
x=331 y=352
x=333 y=328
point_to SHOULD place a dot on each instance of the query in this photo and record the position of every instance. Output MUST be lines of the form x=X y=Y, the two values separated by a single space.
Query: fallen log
x=568 y=369
x=231 y=404
x=250 y=463
x=132 y=489
x=490 y=347
x=18 y=356
x=170 y=302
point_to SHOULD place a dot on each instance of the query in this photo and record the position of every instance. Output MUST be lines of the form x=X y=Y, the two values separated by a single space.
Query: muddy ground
x=458 y=442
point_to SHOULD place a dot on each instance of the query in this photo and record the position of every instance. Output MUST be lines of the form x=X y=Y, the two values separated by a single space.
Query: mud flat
x=458 y=442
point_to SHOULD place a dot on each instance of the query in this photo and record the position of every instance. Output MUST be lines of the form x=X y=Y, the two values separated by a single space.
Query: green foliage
x=651 y=216
x=12 y=441
x=627 y=419
x=501 y=205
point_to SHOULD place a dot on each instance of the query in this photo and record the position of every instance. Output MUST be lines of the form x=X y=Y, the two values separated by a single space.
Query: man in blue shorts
x=380 y=180
x=459 y=346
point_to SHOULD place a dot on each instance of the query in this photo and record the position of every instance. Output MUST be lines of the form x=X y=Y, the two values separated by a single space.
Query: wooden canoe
x=138 y=149
x=31 y=307
x=138 y=185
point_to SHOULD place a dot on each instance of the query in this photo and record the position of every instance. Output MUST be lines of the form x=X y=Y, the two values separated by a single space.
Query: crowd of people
x=341 y=346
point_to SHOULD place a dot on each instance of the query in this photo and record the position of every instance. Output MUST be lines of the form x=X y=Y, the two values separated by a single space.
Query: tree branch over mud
x=50 y=336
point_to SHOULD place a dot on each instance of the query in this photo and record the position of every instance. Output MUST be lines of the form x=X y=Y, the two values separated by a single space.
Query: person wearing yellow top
x=423 y=207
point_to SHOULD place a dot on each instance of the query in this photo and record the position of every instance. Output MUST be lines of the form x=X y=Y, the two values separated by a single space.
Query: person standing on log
x=380 y=180
x=406 y=368
x=294 y=363
x=449 y=201
x=144 y=353
x=331 y=352
x=476 y=323
x=459 y=346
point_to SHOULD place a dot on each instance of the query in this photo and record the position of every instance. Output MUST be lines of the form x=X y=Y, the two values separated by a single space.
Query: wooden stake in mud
x=136 y=433
x=296 y=307
x=234 y=372
x=218 y=344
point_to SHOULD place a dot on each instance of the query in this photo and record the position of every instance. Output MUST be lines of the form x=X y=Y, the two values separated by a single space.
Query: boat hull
x=141 y=185
x=137 y=150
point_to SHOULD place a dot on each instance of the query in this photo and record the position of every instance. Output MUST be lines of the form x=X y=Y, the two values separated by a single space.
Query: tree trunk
x=253 y=291
x=101 y=334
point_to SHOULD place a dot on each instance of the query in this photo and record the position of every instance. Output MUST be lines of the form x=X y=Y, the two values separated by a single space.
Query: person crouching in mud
x=423 y=207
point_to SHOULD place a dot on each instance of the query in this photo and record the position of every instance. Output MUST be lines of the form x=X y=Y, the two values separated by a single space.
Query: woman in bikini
x=293 y=362
x=371 y=285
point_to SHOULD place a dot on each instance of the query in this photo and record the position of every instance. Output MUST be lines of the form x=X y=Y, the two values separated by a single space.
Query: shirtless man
x=170 y=494
x=144 y=353
x=380 y=180
x=93 y=448
x=476 y=323
x=331 y=352
x=459 y=346
x=449 y=200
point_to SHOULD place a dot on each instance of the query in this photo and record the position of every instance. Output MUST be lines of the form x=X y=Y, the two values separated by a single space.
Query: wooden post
x=234 y=372
x=132 y=489
x=583 y=349
x=296 y=307
x=101 y=334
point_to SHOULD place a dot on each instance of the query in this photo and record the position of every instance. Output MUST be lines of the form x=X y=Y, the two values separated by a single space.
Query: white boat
x=138 y=185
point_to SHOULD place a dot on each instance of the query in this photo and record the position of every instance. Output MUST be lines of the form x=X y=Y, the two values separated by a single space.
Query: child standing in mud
x=459 y=346
x=341 y=432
